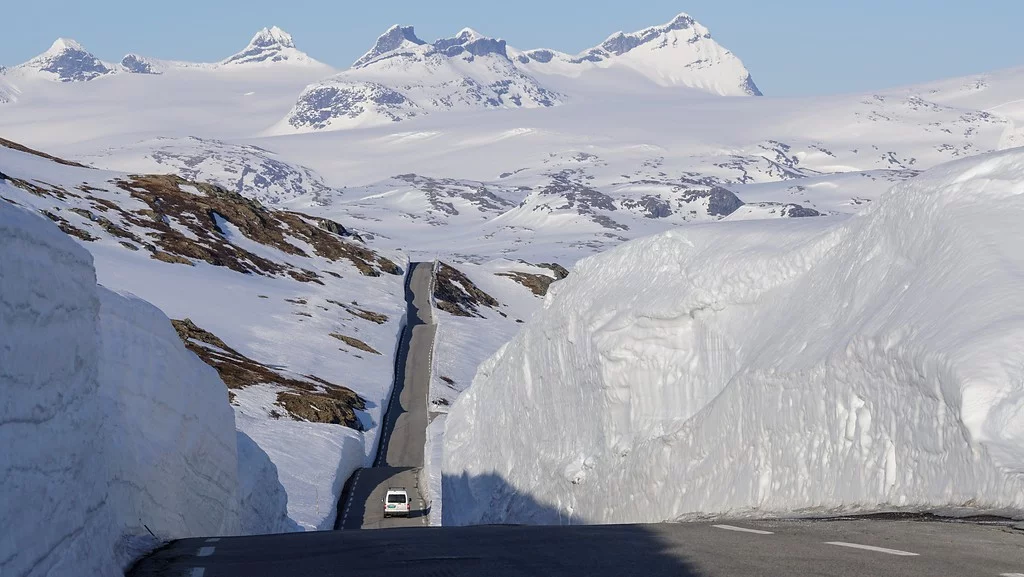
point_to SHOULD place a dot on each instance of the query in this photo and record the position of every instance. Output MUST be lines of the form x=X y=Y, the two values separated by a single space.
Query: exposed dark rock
x=456 y=294
x=797 y=211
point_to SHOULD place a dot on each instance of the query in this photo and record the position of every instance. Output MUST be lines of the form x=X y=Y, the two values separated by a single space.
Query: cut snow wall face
x=172 y=430
x=54 y=462
x=112 y=427
x=767 y=368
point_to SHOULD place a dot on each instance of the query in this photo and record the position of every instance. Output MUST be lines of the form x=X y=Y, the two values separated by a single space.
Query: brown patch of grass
x=40 y=188
x=170 y=258
x=456 y=294
x=315 y=399
x=21 y=148
x=355 y=343
x=537 y=283
x=319 y=407
x=371 y=316
x=69 y=228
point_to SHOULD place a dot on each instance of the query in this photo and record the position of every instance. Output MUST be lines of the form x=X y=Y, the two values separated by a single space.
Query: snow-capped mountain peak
x=66 y=61
x=472 y=42
x=622 y=42
x=273 y=36
x=678 y=53
x=403 y=77
x=394 y=39
x=269 y=46
x=61 y=45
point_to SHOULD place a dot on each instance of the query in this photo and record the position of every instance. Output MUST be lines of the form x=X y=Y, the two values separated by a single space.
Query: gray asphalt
x=404 y=431
x=793 y=548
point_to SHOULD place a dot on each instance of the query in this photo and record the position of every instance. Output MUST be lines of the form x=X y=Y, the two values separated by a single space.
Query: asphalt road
x=403 y=434
x=858 y=548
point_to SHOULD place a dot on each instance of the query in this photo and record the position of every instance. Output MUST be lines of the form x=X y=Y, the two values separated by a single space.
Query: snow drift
x=112 y=428
x=767 y=368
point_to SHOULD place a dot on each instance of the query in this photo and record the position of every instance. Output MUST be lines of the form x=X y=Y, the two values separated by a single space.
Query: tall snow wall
x=109 y=425
x=767 y=368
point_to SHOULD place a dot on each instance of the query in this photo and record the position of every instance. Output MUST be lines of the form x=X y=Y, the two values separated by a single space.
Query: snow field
x=756 y=369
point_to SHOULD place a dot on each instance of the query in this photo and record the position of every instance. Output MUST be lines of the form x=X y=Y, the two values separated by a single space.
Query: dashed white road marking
x=205 y=551
x=743 y=530
x=1011 y=575
x=872 y=548
x=351 y=495
x=197 y=572
x=213 y=539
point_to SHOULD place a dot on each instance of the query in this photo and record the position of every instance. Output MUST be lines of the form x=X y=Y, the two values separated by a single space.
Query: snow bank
x=263 y=502
x=767 y=368
x=54 y=465
x=171 y=442
x=112 y=428
x=313 y=461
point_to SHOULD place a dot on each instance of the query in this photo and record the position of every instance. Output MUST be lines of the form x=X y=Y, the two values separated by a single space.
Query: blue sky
x=791 y=47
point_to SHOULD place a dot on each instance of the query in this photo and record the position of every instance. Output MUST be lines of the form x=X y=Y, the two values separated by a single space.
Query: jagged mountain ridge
x=68 y=61
x=679 y=53
x=403 y=77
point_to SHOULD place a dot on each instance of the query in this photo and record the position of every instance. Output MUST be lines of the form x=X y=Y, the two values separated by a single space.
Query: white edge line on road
x=348 y=505
x=1011 y=575
x=872 y=548
x=205 y=551
x=743 y=530
x=197 y=572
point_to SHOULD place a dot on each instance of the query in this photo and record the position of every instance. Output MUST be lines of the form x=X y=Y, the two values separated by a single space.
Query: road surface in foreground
x=857 y=548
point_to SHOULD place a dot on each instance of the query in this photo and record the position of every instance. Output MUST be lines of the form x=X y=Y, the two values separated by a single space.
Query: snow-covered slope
x=251 y=171
x=270 y=46
x=241 y=281
x=110 y=425
x=764 y=368
x=8 y=92
x=402 y=77
x=65 y=61
x=679 y=53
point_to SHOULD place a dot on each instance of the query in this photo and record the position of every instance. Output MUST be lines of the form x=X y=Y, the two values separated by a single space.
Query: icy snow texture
x=173 y=457
x=54 y=466
x=113 y=429
x=767 y=367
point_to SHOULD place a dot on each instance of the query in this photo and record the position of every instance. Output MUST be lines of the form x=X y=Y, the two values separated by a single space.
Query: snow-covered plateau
x=114 y=434
x=765 y=368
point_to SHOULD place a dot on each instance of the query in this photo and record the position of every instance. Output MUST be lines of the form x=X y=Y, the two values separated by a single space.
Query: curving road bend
x=404 y=430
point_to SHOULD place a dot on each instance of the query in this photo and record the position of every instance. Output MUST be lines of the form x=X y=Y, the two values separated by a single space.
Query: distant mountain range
x=402 y=76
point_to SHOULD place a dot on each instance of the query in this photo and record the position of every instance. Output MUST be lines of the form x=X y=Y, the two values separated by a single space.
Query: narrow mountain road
x=404 y=428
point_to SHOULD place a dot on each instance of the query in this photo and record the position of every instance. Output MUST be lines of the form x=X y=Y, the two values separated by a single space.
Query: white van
x=396 y=502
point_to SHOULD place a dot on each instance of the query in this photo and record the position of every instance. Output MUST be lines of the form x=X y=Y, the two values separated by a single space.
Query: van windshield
x=396 y=498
